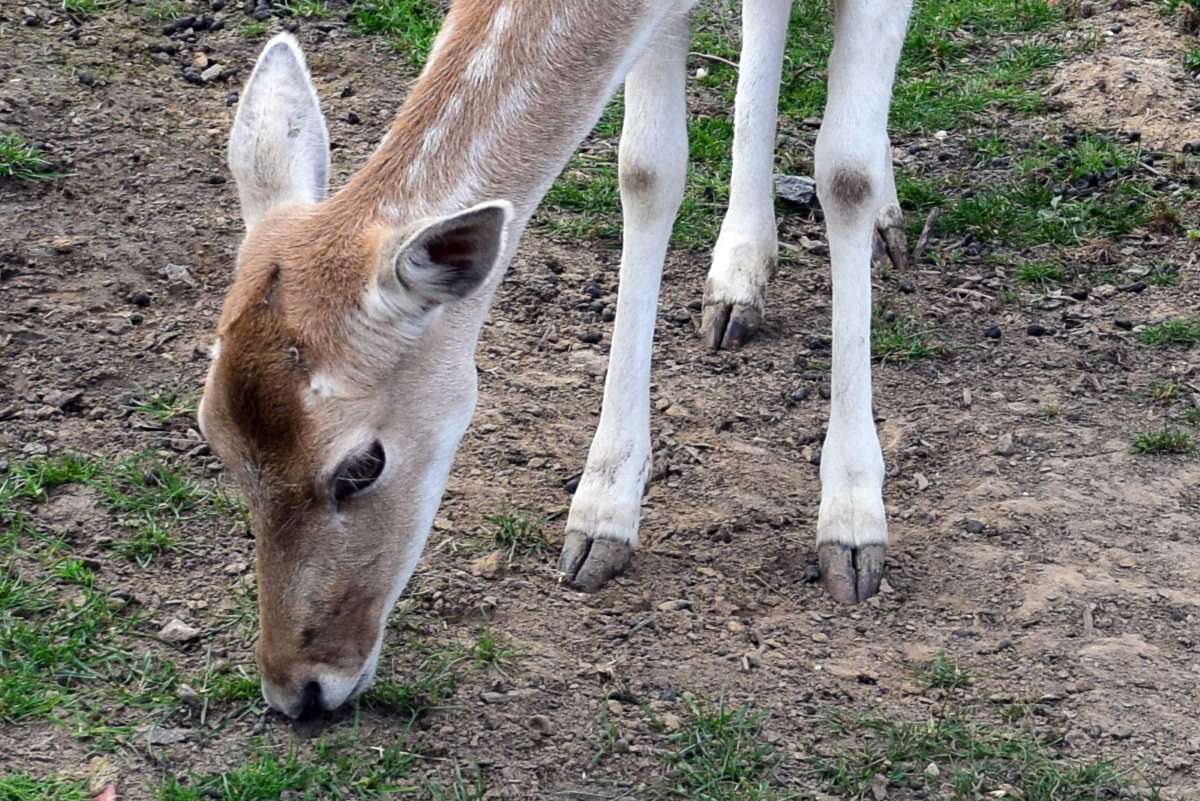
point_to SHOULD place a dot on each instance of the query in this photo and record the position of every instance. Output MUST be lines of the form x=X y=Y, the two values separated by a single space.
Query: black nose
x=311 y=706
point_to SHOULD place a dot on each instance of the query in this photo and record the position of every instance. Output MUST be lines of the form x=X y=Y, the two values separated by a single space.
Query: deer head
x=339 y=386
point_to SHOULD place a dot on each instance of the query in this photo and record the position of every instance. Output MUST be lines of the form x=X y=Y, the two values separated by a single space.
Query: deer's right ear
x=279 y=148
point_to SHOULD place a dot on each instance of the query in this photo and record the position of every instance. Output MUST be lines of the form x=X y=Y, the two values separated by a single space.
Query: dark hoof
x=851 y=575
x=891 y=248
x=588 y=564
x=728 y=325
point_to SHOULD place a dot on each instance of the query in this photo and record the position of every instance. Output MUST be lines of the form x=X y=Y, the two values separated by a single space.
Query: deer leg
x=602 y=525
x=747 y=248
x=852 y=172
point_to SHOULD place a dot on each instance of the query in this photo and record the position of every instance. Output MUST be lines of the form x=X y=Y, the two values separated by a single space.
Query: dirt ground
x=1081 y=590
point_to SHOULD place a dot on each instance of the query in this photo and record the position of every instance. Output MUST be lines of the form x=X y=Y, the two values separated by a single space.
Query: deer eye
x=358 y=472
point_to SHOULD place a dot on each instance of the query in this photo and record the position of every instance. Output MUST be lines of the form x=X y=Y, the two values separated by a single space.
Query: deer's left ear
x=279 y=147
x=447 y=258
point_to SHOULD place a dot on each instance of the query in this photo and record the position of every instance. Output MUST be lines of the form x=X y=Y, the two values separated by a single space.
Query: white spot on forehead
x=323 y=386
x=214 y=350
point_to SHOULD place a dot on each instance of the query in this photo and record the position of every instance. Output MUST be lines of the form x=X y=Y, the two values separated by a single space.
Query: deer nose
x=305 y=700
x=310 y=701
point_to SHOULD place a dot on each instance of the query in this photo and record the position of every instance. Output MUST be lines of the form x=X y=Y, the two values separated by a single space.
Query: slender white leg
x=852 y=172
x=747 y=249
x=603 y=523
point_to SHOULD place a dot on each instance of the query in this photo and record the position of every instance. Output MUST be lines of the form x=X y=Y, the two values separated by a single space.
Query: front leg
x=602 y=527
x=853 y=181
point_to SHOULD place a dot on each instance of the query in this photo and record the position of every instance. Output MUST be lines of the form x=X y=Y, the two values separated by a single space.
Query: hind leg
x=747 y=249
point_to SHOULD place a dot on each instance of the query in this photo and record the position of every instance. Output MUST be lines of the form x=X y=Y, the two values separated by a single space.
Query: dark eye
x=358 y=472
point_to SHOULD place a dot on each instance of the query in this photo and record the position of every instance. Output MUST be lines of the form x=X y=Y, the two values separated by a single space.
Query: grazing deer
x=343 y=374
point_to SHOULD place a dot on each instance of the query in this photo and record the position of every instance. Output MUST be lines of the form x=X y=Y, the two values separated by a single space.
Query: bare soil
x=1081 y=592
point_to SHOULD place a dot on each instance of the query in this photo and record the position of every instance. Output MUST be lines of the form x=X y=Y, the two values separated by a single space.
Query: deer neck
x=510 y=89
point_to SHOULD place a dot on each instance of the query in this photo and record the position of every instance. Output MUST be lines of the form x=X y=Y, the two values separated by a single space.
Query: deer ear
x=279 y=148
x=448 y=258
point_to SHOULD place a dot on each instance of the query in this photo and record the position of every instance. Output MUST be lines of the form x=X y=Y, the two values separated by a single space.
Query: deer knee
x=651 y=191
x=638 y=180
x=849 y=189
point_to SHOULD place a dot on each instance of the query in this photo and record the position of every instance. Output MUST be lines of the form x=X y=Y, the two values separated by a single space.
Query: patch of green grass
x=959 y=758
x=1172 y=332
x=1191 y=60
x=518 y=533
x=308 y=9
x=165 y=403
x=263 y=776
x=437 y=676
x=1161 y=273
x=1051 y=409
x=720 y=754
x=20 y=787
x=1037 y=202
x=21 y=160
x=90 y=8
x=256 y=28
x=1039 y=273
x=61 y=645
x=338 y=764
x=605 y=741
x=33 y=479
x=410 y=25
x=585 y=201
x=164 y=10
x=900 y=338
x=150 y=498
x=489 y=650
x=1165 y=391
x=942 y=673
x=1166 y=440
x=461 y=788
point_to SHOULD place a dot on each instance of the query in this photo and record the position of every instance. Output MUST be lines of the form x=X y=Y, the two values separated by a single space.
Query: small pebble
x=993 y=332
x=825 y=391
x=1035 y=329
x=907 y=286
x=590 y=337
x=1123 y=324
x=1079 y=294
x=974 y=527
x=86 y=79
x=140 y=299
x=178 y=632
